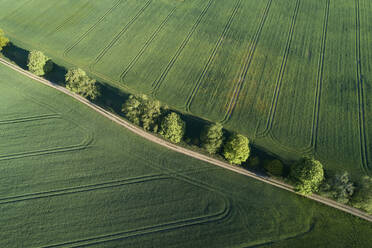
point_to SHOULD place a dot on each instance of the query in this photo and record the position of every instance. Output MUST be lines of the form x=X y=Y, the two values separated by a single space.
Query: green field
x=293 y=75
x=69 y=177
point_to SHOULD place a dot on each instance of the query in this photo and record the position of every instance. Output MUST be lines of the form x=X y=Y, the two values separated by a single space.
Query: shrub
x=172 y=128
x=307 y=175
x=212 y=137
x=38 y=63
x=274 y=167
x=236 y=150
x=339 y=188
x=79 y=82
x=3 y=40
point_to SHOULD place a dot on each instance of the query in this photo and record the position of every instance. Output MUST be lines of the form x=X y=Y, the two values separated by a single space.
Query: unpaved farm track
x=185 y=151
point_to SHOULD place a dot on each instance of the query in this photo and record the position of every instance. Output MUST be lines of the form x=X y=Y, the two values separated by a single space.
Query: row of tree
x=307 y=175
x=149 y=113
x=76 y=79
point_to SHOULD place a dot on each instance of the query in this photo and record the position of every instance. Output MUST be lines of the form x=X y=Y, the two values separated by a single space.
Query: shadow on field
x=111 y=98
x=16 y=54
x=57 y=75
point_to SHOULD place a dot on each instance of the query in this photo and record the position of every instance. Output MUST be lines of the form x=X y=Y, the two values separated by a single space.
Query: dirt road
x=185 y=151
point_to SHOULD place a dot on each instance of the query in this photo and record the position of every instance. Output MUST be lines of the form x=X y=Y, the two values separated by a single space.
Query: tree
x=131 y=109
x=236 y=150
x=143 y=111
x=79 y=82
x=172 y=128
x=363 y=195
x=150 y=112
x=3 y=40
x=212 y=137
x=38 y=63
x=339 y=188
x=308 y=174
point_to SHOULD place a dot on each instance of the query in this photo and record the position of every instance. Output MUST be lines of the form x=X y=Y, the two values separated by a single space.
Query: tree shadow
x=57 y=75
x=111 y=98
x=16 y=54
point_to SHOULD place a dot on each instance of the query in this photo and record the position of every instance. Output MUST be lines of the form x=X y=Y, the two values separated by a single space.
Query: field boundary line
x=210 y=61
x=279 y=80
x=146 y=45
x=152 y=138
x=360 y=86
x=116 y=4
x=119 y=35
x=157 y=83
x=246 y=65
x=167 y=226
x=82 y=188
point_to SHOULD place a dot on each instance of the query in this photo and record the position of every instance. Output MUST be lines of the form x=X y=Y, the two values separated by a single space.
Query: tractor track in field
x=302 y=233
x=119 y=35
x=279 y=81
x=318 y=89
x=69 y=19
x=83 y=145
x=146 y=45
x=82 y=188
x=360 y=86
x=67 y=50
x=311 y=147
x=30 y=118
x=16 y=10
x=210 y=61
x=138 y=131
x=245 y=67
x=157 y=83
x=171 y=225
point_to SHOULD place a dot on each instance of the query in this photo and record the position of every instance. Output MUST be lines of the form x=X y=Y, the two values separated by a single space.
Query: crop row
x=245 y=66
x=212 y=56
x=281 y=73
x=117 y=36
x=361 y=105
x=116 y=4
x=156 y=84
x=146 y=45
x=182 y=223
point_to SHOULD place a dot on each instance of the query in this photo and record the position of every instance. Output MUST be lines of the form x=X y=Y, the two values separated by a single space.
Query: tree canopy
x=308 y=174
x=340 y=188
x=141 y=110
x=79 y=82
x=3 y=40
x=38 y=63
x=236 y=149
x=212 y=137
x=172 y=128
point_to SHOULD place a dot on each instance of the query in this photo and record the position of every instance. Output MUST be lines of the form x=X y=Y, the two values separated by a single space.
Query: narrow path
x=185 y=151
